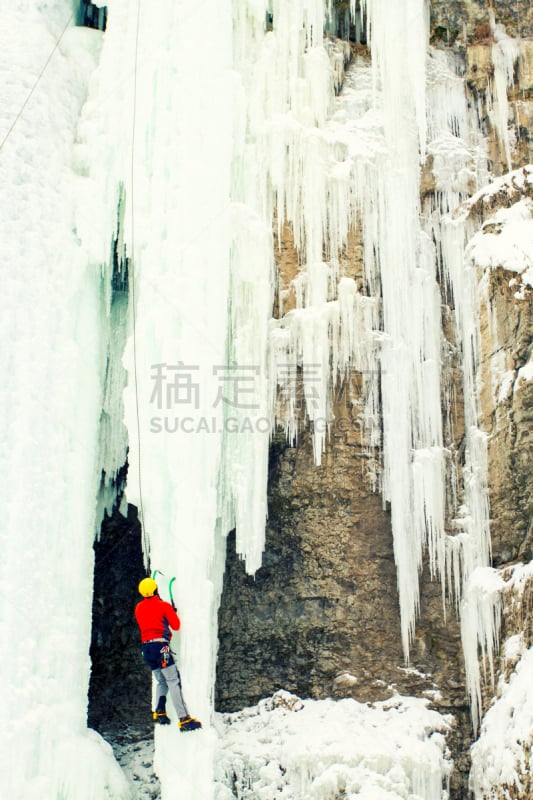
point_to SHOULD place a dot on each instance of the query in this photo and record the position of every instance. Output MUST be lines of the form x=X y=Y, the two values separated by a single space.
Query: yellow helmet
x=147 y=587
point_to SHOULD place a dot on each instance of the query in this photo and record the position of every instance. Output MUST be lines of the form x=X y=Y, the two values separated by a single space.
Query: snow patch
x=506 y=241
x=500 y=757
x=525 y=374
x=394 y=750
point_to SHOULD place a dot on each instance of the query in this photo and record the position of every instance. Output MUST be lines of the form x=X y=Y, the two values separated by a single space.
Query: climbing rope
x=38 y=80
x=133 y=296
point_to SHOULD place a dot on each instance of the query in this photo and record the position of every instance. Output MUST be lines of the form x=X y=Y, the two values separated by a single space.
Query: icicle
x=505 y=54
x=480 y=624
x=247 y=421
x=113 y=436
x=410 y=385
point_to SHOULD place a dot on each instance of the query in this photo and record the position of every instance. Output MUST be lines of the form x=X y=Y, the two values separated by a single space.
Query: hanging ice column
x=282 y=167
x=505 y=54
x=413 y=452
x=460 y=158
x=412 y=416
x=284 y=88
x=181 y=260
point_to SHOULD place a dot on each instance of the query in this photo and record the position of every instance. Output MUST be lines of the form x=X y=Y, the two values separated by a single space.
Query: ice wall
x=52 y=362
x=159 y=116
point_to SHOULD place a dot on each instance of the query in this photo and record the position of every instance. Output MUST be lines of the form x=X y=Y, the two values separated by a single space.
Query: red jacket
x=155 y=618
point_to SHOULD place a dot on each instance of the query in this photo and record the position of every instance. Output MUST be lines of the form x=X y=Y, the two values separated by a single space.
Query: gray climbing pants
x=169 y=681
x=158 y=656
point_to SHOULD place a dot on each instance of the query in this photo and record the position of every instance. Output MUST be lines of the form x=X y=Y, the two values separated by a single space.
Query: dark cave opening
x=344 y=27
x=340 y=24
x=91 y=16
x=120 y=684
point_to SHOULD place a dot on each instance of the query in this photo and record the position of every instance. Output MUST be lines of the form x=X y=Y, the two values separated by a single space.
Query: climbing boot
x=160 y=718
x=189 y=724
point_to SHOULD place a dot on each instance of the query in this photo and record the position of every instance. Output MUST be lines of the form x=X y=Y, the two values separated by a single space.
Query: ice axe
x=171 y=581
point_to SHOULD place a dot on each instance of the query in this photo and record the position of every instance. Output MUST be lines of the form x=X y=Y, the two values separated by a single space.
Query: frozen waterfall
x=194 y=133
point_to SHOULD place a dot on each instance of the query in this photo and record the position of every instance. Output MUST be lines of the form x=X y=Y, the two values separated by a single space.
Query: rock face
x=506 y=335
x=321 y=616
x=452 y=20
x=507 y=404
x=329 y=552
x=509 y=417
x=473 y=29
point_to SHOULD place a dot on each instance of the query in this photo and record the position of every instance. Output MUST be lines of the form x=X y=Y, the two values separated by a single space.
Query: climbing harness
x=165 y=656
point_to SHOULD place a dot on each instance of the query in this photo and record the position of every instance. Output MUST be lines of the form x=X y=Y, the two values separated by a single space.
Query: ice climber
x=155 y=618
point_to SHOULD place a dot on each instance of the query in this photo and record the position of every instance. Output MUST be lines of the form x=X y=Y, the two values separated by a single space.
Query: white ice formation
x=177 y=140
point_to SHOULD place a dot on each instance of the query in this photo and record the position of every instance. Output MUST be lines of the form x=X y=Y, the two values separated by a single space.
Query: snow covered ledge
x=324 y=748
x=501 y=758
